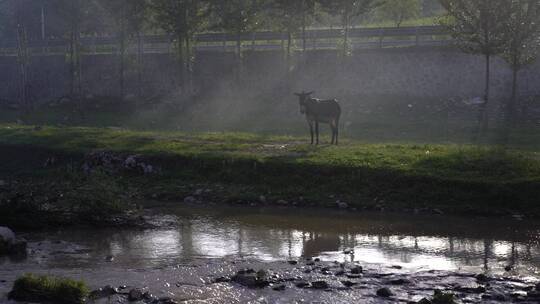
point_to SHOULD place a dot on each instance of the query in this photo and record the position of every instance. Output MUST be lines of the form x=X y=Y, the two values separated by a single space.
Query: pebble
x=348 y=283
x=357 y=270
x=135 y=295
x=190 y=200
x=320 y=285
x=384 y=292
x=301 y=284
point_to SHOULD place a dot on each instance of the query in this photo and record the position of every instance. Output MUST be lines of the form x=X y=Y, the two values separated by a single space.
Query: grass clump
x=33 y=288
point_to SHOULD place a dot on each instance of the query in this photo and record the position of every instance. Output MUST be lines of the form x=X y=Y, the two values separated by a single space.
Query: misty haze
x=269 y=151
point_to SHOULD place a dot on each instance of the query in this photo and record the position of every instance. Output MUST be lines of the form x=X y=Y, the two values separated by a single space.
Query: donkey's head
x=303 y=98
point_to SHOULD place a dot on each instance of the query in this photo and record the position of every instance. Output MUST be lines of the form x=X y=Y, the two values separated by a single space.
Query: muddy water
x=216 y=239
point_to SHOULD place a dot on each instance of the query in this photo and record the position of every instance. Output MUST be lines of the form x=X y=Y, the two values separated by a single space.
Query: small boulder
x=251 y=279
x=9 y=244
x=348 y=283
x=320 y=285
x=279 y=287
x=342 y=205
x=104 y=292
x=399 y=282
x=424 y=301
x=7 y=235
x=301 y=284
x=481 y=278
x=357 y=270
x=222 y=280
x=135 y=294
x=384 y=292
x=292 y=262
x=190 y=200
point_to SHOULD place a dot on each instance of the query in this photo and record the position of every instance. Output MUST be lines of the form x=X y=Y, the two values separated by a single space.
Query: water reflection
x=413 y=243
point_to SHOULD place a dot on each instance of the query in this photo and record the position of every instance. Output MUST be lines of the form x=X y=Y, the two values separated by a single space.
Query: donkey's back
x=324 y=111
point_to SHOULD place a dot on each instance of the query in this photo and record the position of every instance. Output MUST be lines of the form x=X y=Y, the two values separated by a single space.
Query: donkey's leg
x=317 y=131
x=337 y=131
x=311 y=130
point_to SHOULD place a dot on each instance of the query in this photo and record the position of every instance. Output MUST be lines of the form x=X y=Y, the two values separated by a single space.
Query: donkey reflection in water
x=320 y=111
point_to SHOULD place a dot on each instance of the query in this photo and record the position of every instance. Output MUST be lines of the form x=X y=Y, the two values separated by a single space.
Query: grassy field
x=241 y=167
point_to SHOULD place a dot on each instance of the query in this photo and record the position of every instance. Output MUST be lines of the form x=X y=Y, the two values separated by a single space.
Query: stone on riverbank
x=357 y=270
x=9 y=244
x=135 y=294
x=384 y=292
x=251 y=279
x=320 y=285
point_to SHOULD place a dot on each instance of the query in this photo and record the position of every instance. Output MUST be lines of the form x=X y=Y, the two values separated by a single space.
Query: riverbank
x=306 y=280
x=48 y=165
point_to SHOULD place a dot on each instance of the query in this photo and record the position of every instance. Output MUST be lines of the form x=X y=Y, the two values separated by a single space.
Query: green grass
x=449 y=162
x=40 y=289
x=454 y=178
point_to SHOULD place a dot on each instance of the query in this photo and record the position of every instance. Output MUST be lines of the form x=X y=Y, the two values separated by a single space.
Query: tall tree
x=292 y=17
x=128 y=20
x=73 y=19
x=399 y=11
x=522 y=44
x=182 y=19
x=14 y=16
x=239 y=17
x=348 y=10
x=478 y=27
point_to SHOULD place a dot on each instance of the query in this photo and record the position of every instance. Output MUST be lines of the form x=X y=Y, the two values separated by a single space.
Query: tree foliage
x=347 y=10
x=399 y=11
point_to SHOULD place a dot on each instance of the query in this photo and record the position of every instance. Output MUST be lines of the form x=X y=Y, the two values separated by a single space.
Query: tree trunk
x=188 y=67
x=346 y=23
x=511 y=107
x=181 y=62
x=122 y=61
x=22 y=54
x=139 y=64
x=484 y=114
x=303 y=29
x=239 y=63
x=72 y=63
x=289 y=44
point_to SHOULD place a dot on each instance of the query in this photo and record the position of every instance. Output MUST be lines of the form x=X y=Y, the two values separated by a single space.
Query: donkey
x=320 y=111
